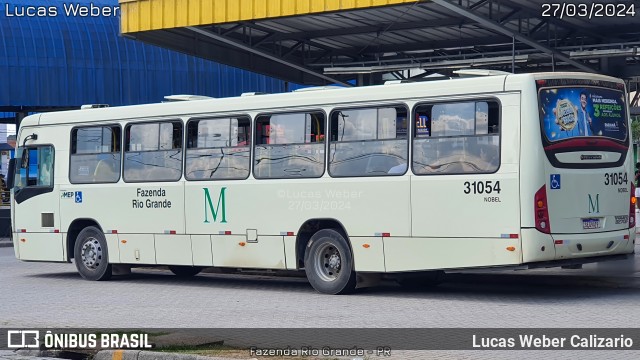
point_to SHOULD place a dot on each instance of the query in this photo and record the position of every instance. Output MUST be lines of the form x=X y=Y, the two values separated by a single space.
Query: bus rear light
x=289 y=233
x=558 y=242
x=23 y=230
x=626 y=237
x=541 y=211
x=632 y=207
x=111 y=232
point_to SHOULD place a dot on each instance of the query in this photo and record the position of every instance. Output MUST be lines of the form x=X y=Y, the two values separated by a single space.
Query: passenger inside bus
x=44 y=176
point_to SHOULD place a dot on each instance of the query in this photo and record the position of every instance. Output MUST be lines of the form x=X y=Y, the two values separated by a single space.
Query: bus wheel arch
x=74 y=230
x=311 y=227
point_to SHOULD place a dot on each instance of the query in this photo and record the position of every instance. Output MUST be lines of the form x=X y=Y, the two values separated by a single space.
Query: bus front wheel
x=328 y=263
x=91 y=255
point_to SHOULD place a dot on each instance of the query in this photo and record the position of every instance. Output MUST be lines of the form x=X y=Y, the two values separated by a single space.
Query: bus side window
x=368 y=142
x=218 y=148
x=289 y=145
x=463 y=138
x=95 y=154
x=36 y=167
x=153 y=151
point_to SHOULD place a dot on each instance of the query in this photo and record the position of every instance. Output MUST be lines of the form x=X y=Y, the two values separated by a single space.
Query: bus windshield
x=576 y=111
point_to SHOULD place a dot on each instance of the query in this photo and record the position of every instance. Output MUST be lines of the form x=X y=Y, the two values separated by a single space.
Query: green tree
x=635 y=129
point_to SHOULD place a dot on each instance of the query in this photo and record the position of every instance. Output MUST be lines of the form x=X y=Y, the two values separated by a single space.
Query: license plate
x=591 y=223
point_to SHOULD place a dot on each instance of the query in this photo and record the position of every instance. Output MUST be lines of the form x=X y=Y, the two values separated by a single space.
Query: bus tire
x=185 y=271
x=91 y=254
x=328 y=263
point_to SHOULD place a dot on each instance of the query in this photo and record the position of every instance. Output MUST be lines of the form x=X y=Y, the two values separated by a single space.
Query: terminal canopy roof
x=325 y=41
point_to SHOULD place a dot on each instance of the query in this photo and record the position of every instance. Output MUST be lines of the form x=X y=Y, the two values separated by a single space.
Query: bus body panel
x=137 y=249
x=473 y=205
x=530 y=162
x=369 y=253
x=40 y=246
x=113 y=247
x=449 y=253
x=173 y=249
x=537 y=246
x=38 y=233
x=156 y=208
x=569 y=246
x=276 y=207
x=267 y=252
x=201 y=250
x=578 y=197
x=290 y=256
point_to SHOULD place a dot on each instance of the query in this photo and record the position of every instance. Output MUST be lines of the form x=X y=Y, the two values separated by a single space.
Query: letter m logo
x=594 y=206
x=208 y=206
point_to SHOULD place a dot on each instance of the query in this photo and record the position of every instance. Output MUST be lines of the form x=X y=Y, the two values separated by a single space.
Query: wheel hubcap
x=328 y=262
x=91 y=255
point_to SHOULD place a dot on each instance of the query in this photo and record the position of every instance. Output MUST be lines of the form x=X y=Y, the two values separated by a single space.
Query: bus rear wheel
x=185 y=271
x=91 y=255
x=328 y=263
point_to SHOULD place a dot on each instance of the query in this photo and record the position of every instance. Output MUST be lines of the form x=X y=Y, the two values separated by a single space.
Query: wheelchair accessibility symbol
x=554 y=181
x=78 y=196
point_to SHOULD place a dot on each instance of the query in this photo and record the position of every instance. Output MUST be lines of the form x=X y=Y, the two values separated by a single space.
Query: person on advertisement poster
x=585 y=122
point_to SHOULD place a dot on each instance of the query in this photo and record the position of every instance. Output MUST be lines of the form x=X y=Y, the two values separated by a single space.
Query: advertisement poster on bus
x=569 y=112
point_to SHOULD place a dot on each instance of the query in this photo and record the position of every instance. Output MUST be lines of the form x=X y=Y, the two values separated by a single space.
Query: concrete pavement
x=5 y=242
x=14 y=355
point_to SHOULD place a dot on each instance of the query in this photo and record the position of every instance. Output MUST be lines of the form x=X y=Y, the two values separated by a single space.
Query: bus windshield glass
x=576 y=111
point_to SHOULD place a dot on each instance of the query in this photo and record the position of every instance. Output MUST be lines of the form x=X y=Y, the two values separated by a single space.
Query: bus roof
x=299 y=99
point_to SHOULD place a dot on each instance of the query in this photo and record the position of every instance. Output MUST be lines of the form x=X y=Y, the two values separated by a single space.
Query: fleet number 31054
x=482 y=187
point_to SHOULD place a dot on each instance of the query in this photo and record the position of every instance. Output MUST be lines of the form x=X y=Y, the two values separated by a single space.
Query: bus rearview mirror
x=11 y=173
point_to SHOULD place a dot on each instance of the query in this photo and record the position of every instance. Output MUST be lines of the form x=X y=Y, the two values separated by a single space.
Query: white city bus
x=510 y=171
